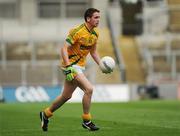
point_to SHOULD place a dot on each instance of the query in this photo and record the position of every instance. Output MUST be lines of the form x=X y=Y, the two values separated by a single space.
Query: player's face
x=94 y=20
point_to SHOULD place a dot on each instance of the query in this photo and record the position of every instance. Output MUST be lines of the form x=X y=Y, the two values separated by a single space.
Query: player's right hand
x=70 y=73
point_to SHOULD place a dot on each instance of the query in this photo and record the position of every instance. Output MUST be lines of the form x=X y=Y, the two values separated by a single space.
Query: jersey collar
x=88 y=28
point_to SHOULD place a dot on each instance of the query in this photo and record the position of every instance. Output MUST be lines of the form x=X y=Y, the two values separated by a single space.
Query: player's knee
x=89 y=90
x=67 y=97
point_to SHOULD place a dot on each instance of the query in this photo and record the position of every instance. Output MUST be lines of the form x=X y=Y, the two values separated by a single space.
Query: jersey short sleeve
x=72 y=36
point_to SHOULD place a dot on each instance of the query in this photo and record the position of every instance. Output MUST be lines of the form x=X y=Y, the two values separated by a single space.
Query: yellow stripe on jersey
x=72 y=34
x=81 y=41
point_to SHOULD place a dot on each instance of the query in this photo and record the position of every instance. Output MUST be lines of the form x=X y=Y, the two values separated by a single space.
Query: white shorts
x=79 y=69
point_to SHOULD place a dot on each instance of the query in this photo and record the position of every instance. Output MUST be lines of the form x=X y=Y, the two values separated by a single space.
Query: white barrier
x=105 y=93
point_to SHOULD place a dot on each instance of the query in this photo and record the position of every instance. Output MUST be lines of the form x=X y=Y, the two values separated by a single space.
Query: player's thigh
x=68 y=88
x=83 y=82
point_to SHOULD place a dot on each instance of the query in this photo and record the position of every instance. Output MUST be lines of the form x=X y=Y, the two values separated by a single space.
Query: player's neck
x=89 y=27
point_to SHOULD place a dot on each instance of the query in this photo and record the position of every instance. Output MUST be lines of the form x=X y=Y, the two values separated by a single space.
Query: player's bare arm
x=95 y=54
x=64 y=55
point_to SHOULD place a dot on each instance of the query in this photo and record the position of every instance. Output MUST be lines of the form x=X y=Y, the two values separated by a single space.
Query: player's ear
x=88 y=19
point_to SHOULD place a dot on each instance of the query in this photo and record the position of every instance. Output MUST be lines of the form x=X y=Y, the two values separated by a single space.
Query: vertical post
x=63 y=8
x=31 y=44
x=33 y=53
x=4 y=59
x=173 y=66
x=118 y=55
x=3 y=46
x=23 y=73
x=168 y=47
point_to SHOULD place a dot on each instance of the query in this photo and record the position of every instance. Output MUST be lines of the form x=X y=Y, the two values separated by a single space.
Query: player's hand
x=106 y=72
x=70 y=73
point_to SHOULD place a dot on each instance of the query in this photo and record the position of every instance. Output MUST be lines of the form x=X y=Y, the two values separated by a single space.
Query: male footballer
x=80 y=41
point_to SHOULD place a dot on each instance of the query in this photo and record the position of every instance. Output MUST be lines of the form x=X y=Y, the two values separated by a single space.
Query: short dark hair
x=89 y=13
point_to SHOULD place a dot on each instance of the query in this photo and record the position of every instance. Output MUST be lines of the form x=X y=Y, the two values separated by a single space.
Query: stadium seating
x=163 y=52
x=10 y=75
x=173 y=2
x=18 y=51
x=174 y=15
x=48 y=51
x=135 y=71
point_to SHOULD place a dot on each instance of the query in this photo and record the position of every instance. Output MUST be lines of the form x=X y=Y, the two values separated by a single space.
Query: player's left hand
x=70 y=73
x=106 y=72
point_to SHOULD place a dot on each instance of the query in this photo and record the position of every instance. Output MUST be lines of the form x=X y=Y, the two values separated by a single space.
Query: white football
x=107 y=64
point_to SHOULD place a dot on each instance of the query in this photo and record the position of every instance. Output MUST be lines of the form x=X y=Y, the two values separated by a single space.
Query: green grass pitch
x=143 y=118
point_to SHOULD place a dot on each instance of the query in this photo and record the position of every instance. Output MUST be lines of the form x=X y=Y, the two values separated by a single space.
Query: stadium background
x=141 y=97
x=141 y=35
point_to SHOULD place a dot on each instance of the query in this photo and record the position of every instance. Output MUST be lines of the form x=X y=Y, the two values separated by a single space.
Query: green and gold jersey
x=81 y=40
